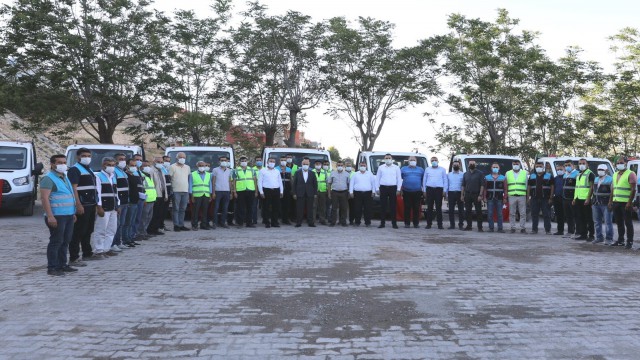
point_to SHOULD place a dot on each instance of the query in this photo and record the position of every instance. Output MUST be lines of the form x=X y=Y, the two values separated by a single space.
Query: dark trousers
x=569 y=216
x=82 y=230
x=363 y=204
x=388 y=202
x=559 y=210
x=536 y=206
x=200 y=205
x=286 y=206
x=59 y=239
x=271 y=206
x=471 y=200
x=584 y=218
x=412 y=201
x=624 y=222
x=221 y=204
x=434 y=197
x=257 y=202
x=244 y=204
x=159 y=213
x=454 y=199
x=352 y=210
x=339 y=202
x=122 y=220
x=302 y=203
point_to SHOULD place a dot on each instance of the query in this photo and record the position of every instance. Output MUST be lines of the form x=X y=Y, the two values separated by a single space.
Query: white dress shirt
x=111 y=178
x=363 y=182
x=269 y=179
x=389 y=175
x=435 y=177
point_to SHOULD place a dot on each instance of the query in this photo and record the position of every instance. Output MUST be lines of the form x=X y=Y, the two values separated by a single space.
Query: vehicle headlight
x=21 y=181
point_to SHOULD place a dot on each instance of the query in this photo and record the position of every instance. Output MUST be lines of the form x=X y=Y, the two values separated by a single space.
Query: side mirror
x=38 y=169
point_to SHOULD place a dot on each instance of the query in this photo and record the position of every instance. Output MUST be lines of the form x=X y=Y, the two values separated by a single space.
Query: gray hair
x=107 y=159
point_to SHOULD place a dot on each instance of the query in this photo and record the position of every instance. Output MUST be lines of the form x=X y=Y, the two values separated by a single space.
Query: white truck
x=297 y=154
x=484 y=162
x=19 y=171
x=208 y=154
x=99 y=151
x=553 y=161
x=375 y=158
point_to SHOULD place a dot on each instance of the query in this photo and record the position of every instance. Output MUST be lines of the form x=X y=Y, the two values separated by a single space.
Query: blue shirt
x=455 y=181
x=558 y=183
x=435 y=177
x=411 y=178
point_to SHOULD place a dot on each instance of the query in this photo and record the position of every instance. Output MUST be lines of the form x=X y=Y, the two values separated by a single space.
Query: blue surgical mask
x=568 y=168
x=258 y=163
x=434 y=163
x=495 y=170
x=138 y=163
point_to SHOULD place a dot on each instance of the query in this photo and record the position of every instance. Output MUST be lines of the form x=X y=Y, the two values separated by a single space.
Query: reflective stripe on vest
x=517 y=186
x=244 y=181
x=495 y=187
x=122 y=181
x=108 y=192
x=621 y=187
x=149 y=189
x=322 y=180
x=569 y=190
x=602 y=193
x=582 y=185
x=62 y=201
x=200 y=187
x=546 y=184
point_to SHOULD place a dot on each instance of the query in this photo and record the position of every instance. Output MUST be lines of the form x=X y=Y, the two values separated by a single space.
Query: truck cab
x=484 y=162
x=375 y=158
x=297 y=153
x=208 y=154
x=553 y=161
x=99 y=151
x=19 y=171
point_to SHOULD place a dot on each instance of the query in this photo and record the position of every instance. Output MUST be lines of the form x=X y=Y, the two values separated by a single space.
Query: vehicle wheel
x=28 y=211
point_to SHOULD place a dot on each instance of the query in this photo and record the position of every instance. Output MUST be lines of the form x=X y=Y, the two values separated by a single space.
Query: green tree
x=371 y=80
x=335 y=154
x=82 y=63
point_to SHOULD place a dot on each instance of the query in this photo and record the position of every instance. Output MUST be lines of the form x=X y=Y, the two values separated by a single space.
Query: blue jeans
x=130 y=223
x=221 y=197
x=59 y=238
x=536 y=206
x=180 y=202
x=138 y=219
x=122 y=219
x=601 y=213
x=494 y=206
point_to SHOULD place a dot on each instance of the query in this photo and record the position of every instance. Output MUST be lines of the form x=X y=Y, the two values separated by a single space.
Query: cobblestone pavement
x=323 y=293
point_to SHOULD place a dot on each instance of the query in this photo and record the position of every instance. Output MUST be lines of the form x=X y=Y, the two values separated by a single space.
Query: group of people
x=93 y=216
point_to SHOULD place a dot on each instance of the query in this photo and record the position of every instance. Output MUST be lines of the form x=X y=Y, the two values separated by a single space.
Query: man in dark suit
x=305 y=189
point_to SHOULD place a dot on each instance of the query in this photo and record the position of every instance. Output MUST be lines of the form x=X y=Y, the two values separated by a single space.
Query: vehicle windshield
x=484 y=164
x=593 y=165
x=96 y=156
x=193 y=156
x=297 y=157
x=401 y=160
x=13 y=158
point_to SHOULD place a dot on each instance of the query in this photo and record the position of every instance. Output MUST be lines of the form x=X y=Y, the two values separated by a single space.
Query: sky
x=561 y=23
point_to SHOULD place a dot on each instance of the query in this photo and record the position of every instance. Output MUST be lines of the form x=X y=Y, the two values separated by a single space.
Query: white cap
x=602 y=167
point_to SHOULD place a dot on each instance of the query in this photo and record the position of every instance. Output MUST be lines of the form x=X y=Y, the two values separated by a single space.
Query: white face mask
x=305 y=167
x=289 y=161
x=318 y=167
x=539 y=169
x=582 y=167
x=325 y=167
x=122 y=164
x=206 y=168
x=348 y=168
x=283 y=163
x=412 y=163
x=620 y=166
x=133 y=169
x=109 y=169
x=516 y=167
x=601 y=172
x=85 y=160
x=202 y=168
x=159 y=166
x=560 y=172
x=61 y=168
x=363 y=168
x=271 y=165
x=243 y=163
x=182 y=160
x=340 y=168
x=146 y=169
x=388 y=161
x=224 y=164
x=166 y=164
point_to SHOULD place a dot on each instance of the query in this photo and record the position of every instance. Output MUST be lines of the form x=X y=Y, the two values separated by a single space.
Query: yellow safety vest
x=621 y=187
x=582 y=186
x=517 y=187
x=149 y=188
x=322 y=180
x=245 y=181
x=200 y=187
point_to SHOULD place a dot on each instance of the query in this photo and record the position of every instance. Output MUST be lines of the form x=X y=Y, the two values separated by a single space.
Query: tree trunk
x=105 y=134
x=269 y=137
x=293 y=128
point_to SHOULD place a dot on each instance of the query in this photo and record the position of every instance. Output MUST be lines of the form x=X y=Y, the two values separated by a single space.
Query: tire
x=28 y=211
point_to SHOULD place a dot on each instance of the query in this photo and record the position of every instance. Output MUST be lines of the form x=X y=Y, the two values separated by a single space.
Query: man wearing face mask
x=166 y=163
x=326 y=167
x=179 y=173
x=122 y=181
x=246 y=191
x=339 y=188
x=271 y=190
x=540 y=190
x=348 y=168
x=434 y=182
x=151 y=197
x=495 y=186
x=624 y=191
x=582 y=202
x=569 y=188
x=58 y=202
x=453 y=194
x=473 y=188
x=107 y=209
x=558 y=189
x=222 y=178
x=161 y=203
x=140 y=209
x=362 y=187
x=200 y=189
x=389 y=179
x=305 y=190
x=84 y=188
x=322 y=197
x=517 y=194
x=412 y=188
x=258 y=201
x=287 y=200
x=136 y=192
x=602 y=188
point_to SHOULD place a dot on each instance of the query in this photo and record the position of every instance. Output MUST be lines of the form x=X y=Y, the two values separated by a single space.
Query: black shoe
x=523 y=231
x=298 y=225
x=323 y=223
x=617 y=243
x=591 y=238
x=135 y=243
x=250 y=226
x=440 y=227
x=177 y=228
x=224 y=226
x=394 y=225
x=345 y=225
x=267 y=225
x=332 y=224
x=407 y=226
x=534 y=231
x=490 y=230
x=69 y=269
x=461 y=226
x=286 y=222
x=416 y=226
x=129 y=245
x=501 y=231
x=54 y=272
x=428 y=226
x=205 y=228
x=468 y=228
x=451 y=228
x=275 y=225
x=312 y=225
x=184 y=228
x=480 y=230
x=558 y=233
x=629 y=246
x=582 y=238
x=380 y=226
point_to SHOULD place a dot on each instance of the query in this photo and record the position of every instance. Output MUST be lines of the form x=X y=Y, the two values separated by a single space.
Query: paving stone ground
x=323 y=293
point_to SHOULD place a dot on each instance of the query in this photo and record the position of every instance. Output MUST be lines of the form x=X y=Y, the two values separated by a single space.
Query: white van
x=375 y=158
x=99 y=151
x=553 y=161
x=208 y=154
x=19 y=171
x=484 y=162
x=297 y=153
